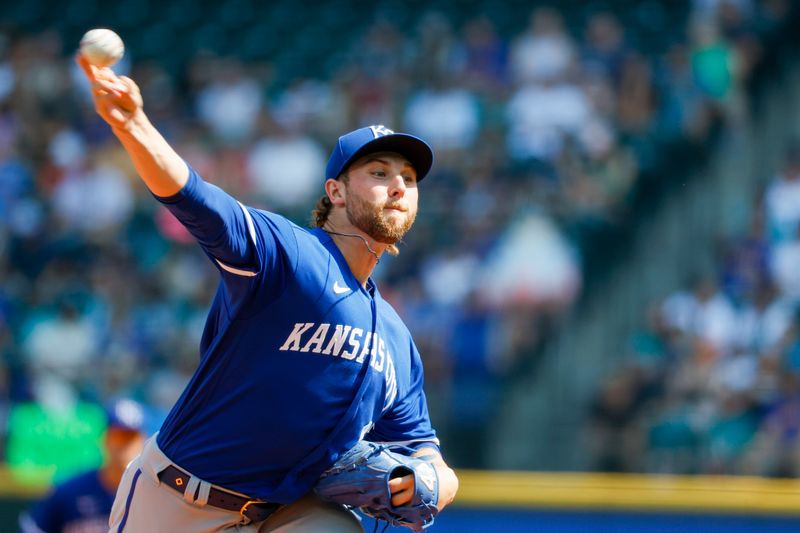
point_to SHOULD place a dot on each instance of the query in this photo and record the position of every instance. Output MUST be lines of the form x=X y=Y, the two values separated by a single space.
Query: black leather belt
x=255 y=510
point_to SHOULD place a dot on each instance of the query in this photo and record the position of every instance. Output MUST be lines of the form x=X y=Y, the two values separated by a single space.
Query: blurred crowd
x=540 y=129
x=712 y=384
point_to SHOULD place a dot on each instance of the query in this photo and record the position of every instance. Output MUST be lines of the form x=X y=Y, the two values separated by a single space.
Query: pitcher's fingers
x=88 y=69
x=103 y=86
x=116 y=84
x=128 y=82
x=401 y=498
x=107 y=74
x=401 y=483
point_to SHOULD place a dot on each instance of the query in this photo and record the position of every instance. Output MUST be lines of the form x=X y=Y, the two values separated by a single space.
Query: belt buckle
x=243 y=510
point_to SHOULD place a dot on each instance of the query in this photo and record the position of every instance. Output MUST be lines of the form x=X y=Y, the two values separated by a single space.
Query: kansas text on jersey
x=332 y=341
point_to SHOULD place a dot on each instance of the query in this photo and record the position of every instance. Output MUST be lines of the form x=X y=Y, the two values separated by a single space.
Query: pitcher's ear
x=336 y=191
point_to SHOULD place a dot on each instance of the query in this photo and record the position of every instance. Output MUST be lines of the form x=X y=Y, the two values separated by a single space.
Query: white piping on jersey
x=250 y=226
x=251 y=229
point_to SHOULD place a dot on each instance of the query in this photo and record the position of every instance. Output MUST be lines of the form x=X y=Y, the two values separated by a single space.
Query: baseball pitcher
x=307 y=401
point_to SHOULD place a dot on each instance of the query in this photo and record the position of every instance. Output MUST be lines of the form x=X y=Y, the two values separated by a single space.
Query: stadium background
x=603 y=276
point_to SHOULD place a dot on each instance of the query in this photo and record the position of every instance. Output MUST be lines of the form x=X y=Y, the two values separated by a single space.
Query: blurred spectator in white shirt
x=230 y=105
x=450 y=275
x=532 y=266
x=448 y=117
x=67 y=149
x=544 y=51
x=704 y=314
x=286 y=169
x=94 y=199
x=62 y=345
x=785 y=266
x=312 y=106
x=783 y=199
x=539 y=116
x=762 y=324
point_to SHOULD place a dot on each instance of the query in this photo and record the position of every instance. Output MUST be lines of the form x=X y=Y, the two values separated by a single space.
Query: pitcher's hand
x=117 y=99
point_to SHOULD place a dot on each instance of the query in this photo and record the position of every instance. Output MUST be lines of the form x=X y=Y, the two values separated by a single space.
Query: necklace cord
x=377 y=259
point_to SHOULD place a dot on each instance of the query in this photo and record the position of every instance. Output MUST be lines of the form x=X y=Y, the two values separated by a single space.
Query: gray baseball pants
x=144 y=505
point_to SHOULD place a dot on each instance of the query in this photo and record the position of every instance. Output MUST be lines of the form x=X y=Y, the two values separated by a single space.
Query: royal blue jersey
x=79 y=505
x=298 y=360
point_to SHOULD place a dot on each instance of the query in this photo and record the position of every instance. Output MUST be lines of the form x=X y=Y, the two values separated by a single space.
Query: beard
x=372 y=220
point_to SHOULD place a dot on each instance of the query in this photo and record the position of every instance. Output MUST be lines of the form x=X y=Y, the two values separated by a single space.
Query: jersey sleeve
x=222 y=225
x=245 y=244
x=407 y=422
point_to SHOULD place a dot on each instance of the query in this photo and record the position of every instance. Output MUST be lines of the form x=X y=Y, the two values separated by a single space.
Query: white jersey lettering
x=317 y=339
x=337 y=340
x=360 y=344
x=354 y=343
x=377 y=362
x=365 y=350
x=391 y=382
x=293 y=340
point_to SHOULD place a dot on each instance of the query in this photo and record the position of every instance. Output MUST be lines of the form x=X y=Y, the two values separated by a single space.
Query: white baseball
x=102 y=47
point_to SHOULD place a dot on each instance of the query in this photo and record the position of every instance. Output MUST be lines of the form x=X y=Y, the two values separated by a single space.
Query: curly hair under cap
x=321 y=212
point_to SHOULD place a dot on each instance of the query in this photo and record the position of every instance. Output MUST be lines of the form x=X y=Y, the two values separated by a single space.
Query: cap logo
x=380 y=131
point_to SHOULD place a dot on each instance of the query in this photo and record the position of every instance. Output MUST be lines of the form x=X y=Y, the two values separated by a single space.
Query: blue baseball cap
x=356 y=144
x=126 y=414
